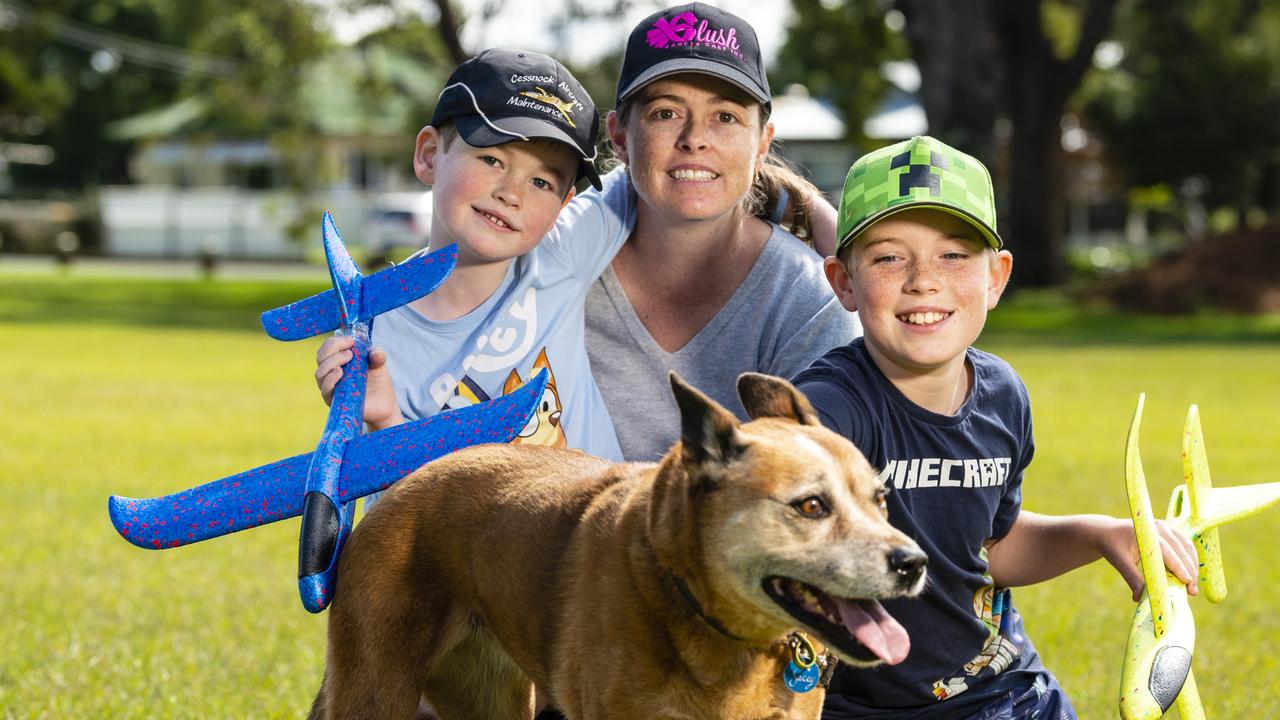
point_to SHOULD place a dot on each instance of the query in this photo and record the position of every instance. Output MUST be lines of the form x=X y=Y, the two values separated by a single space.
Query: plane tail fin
x=1195 y=471
x=1209 y=507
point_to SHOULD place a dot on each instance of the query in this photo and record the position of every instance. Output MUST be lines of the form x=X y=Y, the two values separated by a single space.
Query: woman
x=701 y=286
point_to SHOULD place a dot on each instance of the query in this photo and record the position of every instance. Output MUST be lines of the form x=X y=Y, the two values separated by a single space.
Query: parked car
x=399 y=223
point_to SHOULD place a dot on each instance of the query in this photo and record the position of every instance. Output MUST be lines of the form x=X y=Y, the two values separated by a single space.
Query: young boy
x=511 y=132
x=919 y=259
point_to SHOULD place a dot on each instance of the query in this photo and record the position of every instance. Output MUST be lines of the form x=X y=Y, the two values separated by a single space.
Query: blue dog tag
x=800 y=679
x=802 y=673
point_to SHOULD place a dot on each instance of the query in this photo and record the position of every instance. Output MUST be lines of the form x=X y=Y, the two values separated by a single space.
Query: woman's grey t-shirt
x=781 y=318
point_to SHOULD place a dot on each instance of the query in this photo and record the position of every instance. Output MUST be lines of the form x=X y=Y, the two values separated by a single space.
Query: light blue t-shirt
x=533 y=320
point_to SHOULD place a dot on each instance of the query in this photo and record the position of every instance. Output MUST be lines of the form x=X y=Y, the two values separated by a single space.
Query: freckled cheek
x=873 y=290
x=543 y=216
x=962 y=274
x=645 y=161
x=454 y=188
x=645 y=143
x=968 y=281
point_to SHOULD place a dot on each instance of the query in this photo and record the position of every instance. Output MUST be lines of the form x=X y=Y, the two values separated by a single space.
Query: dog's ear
x=708 y=432
x=769 y=396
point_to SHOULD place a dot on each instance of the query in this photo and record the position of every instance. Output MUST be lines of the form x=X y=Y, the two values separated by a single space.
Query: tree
x=1195 y=103
x=1040 y=83
x=447 y=22
x=961 y=74
x=273 y=44
x=61 y=84
x=1022 y=59
x=450 y=31
x=836 y=51
x=71 y=67
x=981 y=61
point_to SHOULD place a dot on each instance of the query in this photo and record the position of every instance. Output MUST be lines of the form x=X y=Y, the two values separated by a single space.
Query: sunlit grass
x=1083 y=399
x=94 y=627
x=146 y=386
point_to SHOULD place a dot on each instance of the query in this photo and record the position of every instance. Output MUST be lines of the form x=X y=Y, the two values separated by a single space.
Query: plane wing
x=390 y=288
x=1226 y=504
x=1144 y=526
x=276 y=492
x=381 y=292
x=248 y=499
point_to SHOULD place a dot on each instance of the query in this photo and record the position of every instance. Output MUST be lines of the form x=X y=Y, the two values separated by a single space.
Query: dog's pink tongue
x=867 y=621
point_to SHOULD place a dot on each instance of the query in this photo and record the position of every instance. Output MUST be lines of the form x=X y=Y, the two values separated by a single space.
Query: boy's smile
x=499 y=221
x=922 y=281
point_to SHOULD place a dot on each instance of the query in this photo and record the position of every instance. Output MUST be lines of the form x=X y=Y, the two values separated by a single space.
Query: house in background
x=199 y=191
x=812 y=133
x=899 y=115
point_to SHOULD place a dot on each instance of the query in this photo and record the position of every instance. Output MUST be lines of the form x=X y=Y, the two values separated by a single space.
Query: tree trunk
x=1031 y=224
x=1039 y=85
x=450 y=32
x=961 y=89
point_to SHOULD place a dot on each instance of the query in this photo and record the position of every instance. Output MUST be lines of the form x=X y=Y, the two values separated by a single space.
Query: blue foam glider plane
x=323 y=485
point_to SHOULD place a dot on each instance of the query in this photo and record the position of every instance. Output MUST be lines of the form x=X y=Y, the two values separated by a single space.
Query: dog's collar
x=825 y=663
x=685 y=593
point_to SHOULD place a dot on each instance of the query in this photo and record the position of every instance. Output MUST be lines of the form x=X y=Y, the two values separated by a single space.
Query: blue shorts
x=1043 y=700
x=1020 y=695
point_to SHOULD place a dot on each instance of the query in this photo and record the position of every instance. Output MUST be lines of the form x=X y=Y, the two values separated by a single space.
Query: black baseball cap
x=694 y=38
x=501 y=96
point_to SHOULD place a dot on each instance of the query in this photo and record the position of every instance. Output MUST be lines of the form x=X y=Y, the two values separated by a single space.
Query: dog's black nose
x=908 y=563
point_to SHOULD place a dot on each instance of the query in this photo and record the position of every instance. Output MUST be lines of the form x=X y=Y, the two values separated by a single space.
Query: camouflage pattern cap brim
x=920 y=172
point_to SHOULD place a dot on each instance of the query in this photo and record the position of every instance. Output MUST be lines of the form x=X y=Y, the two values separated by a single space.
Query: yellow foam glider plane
x=1157 y=662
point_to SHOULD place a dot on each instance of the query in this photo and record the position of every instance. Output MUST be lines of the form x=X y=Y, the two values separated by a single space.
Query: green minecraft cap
x=920 y=172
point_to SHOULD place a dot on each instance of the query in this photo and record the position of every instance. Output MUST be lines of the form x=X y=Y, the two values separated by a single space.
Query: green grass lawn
x=142 y=387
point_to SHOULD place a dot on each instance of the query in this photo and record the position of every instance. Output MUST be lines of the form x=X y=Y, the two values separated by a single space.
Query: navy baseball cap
x=694 y=38
x=501 y=96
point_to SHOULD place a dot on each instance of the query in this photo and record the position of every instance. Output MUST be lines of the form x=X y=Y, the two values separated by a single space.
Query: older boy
x=511 y=132
x=919 y=259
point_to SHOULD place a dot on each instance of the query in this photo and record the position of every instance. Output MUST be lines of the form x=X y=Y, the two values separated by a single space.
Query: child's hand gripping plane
x=1157 y=662
x=323 y=485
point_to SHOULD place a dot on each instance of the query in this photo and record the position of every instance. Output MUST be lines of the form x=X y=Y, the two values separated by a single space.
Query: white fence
x=234 y=224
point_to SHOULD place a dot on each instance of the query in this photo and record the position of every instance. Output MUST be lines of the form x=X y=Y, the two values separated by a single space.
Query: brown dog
x=622 y=591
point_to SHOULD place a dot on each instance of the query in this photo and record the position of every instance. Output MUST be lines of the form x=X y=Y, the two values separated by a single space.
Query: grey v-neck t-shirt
x=781 y=318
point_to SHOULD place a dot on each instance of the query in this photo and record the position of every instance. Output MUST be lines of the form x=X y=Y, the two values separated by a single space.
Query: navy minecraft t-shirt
x=954 y=482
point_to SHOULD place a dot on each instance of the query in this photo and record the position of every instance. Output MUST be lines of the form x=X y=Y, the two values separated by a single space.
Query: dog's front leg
x=478 y=680
x=506 y=701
